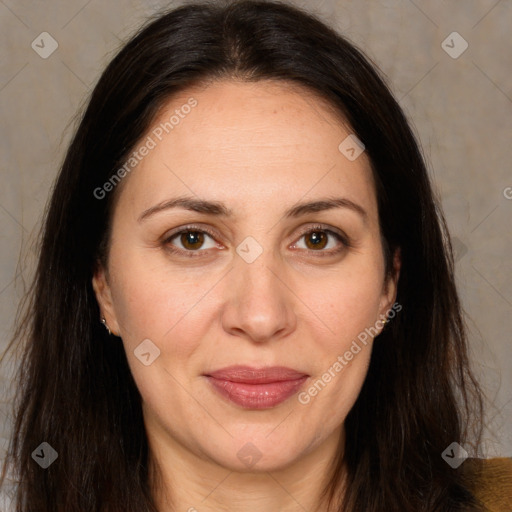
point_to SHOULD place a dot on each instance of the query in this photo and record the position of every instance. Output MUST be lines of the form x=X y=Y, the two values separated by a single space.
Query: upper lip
x=250 y=375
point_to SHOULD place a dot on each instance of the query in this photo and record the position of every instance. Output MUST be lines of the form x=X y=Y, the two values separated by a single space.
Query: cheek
x=152 y=303
x=349 y=301
x=342 y=356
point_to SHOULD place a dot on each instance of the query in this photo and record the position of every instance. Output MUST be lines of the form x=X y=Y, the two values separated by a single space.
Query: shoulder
x=492 y=482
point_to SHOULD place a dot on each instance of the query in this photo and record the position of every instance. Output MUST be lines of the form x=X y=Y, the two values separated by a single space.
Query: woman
x=245 y=296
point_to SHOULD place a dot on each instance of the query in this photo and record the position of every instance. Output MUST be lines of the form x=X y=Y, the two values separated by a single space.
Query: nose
x=260 y=305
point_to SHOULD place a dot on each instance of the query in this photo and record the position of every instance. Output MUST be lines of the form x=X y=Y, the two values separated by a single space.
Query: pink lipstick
x=256 y=388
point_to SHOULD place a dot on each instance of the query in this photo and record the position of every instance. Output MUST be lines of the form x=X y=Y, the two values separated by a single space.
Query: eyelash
x=197 y=253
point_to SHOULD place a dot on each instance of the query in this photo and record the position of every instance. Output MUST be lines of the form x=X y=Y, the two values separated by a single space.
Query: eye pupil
x=317 y=238
x=192 y=238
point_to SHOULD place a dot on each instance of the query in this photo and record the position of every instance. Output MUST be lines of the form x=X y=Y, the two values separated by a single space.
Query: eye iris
x=194 y=238
x=318 y=238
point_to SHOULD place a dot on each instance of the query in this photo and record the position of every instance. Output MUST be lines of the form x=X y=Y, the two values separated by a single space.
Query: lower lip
x=257 y=396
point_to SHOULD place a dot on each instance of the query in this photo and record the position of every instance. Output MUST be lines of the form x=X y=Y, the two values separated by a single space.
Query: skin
x=260 y=148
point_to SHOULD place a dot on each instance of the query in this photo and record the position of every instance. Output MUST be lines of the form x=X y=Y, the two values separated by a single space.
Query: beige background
x=461 y=109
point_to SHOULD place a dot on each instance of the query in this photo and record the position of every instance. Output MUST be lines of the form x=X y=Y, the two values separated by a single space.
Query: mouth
x=256 y=388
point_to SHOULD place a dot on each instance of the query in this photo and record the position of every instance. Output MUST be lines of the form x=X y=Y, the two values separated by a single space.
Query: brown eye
x=316 y=240
x=194 y=242
x=192 y=239
x=190 y=242
x=323 y=241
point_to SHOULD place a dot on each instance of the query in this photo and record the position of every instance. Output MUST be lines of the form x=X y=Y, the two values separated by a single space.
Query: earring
x=104 y=322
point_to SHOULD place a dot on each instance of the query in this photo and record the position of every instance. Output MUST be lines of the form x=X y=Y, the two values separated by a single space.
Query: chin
x=254 y=454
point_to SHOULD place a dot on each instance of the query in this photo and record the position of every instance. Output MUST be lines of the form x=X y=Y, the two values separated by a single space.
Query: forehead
x=253 y=138
x=233 y=116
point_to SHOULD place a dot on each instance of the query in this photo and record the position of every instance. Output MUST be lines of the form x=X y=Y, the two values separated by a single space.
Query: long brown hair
x=74 y=387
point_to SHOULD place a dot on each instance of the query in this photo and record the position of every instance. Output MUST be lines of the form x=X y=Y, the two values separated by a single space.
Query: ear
x=103 y=294
x=390 y=287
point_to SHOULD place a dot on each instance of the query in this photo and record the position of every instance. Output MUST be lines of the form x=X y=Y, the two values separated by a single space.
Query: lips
x=256 y=388
x=250 y=375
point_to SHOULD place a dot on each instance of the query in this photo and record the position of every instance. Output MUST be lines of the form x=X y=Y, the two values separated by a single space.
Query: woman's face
x=246 y=285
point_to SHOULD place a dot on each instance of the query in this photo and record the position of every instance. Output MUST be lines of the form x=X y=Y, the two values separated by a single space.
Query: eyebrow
x=220 y=209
